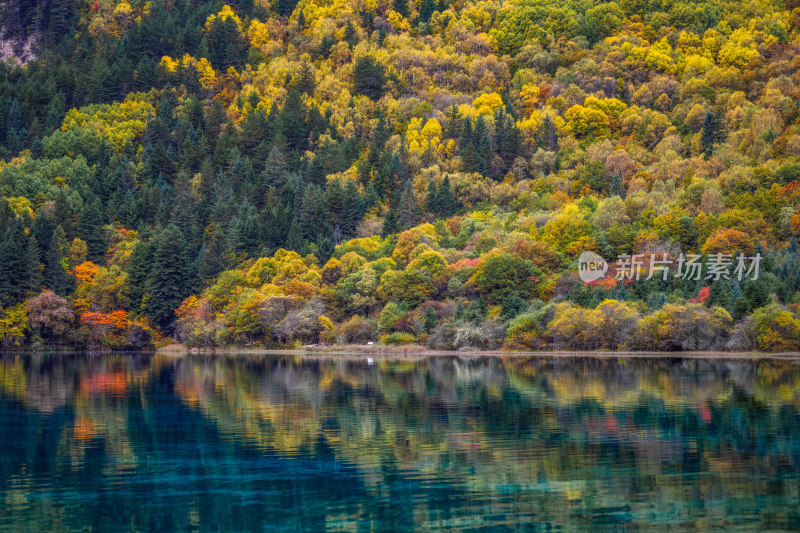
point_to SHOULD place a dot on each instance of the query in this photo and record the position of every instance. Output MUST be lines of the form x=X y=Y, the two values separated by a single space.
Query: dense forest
x=399 y=171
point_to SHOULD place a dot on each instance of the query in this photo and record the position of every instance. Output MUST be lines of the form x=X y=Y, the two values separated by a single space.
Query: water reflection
x=286 y=443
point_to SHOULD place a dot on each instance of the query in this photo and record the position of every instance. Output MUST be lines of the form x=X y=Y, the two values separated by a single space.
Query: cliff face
x=17 y=51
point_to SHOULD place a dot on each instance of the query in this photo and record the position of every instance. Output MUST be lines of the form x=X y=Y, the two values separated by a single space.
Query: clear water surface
x=285 y=443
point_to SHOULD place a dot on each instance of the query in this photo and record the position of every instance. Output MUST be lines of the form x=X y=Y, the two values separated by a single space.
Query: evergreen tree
x=165 y=285
x=508 y=139
x=446 y=202
x=295 y=240
x=225 y=43
x=381 y=132
x=312 y=218
x=713 y=132
x=401 y=6
x=285 y=8
x=512 y=306
x=255 y=129
x=430 y=319
x=214 y=257
x=409 y=207
x=292 y=121
x=324 y=249
x=32 y=281
x=90 y=229
x=369 y=77
x=427 y=8
x=275 y=168
x=471 y=159
x=57 y=263
x=334 y=201
x=350 y=34
x=391 y=224
x=352 y=209
x=138 y=273
x=16 y=133
x=432 y=200
x=306 y=83
x=548 y=137
x=452 y=125
x=615 y=186
x=370 y=197
x=19 y=264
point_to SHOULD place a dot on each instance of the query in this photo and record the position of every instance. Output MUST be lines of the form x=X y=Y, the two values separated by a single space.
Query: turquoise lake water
x=283 y=443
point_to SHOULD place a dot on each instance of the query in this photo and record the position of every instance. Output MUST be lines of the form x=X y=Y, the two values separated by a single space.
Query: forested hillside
x=337 y=171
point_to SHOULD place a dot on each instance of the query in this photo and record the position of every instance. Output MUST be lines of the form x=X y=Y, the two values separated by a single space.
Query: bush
x=683 y=327
x=570 y=328
x=488 y=336
x=442 y=337
x=399 y=338
x=527 y=330
x=390 y=315
x=50 y=315
x=770 y=329
x=356 y=330
x=501 y=274
x=513 y=305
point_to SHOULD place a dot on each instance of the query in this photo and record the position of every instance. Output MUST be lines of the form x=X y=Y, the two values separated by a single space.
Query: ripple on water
x=443 y=444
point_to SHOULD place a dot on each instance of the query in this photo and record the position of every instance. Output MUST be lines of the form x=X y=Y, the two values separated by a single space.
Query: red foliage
x=116 y=319
x=607 y=283
x=702 y=296
x=463 y=263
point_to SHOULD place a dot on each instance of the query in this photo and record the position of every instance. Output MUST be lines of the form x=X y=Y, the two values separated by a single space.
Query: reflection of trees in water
x=485 y=423
x=46 y=383
x=481 y=423
x=408 y=411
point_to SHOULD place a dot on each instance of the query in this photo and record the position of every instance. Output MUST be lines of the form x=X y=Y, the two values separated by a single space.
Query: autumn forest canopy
x=397 y=171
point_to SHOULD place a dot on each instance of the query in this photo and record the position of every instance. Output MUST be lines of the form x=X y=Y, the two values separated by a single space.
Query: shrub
x=442 y=337
x=502 y=274
x=391 y=313
x=356 y=330
x=683 y=327
x=488 y=336
x=399 y=338
x=770 y=329
x=50 y=315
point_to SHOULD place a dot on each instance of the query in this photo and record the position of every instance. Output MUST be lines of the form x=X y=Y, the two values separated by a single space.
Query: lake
x=290 y=443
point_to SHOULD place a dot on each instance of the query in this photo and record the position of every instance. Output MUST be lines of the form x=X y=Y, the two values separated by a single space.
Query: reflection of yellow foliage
x=13 y=380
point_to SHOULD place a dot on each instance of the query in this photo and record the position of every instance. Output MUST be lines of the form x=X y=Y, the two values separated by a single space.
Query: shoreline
x=387 y=352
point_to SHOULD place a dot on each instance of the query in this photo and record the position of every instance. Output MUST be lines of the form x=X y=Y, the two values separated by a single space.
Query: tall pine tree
x=165 y=285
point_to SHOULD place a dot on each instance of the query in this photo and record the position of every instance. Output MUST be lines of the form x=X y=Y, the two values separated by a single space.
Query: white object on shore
x=370 y=343
x=369 y=361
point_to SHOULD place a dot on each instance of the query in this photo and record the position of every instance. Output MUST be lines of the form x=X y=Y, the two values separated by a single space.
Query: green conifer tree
x=165 y=285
